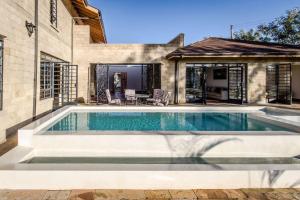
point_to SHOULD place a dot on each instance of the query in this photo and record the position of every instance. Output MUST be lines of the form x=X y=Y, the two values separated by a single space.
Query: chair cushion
x=150 y=100
x=116 y=101
x=131 y=98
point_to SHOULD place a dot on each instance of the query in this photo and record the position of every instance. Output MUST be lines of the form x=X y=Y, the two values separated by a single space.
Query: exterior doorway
x=143 y=78
x=59 y=80
x=65 y=81
x=218 y=82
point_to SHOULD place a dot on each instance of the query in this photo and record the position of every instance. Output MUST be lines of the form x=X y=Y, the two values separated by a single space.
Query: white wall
x=296 y=81
x=215 y=83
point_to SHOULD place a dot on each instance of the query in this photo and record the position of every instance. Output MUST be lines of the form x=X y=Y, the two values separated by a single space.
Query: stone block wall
x=19 y=54
x=18 y=63
x=54 y=41
x=86 y=54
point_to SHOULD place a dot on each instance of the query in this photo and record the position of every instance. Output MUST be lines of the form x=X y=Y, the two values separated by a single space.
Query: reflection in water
x=137 y=121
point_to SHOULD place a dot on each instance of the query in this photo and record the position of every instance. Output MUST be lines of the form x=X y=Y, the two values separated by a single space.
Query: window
x=53 y=12
x=1 y=74
x=46 y=80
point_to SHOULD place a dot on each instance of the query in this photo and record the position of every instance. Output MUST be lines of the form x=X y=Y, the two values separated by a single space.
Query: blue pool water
x=161 y=121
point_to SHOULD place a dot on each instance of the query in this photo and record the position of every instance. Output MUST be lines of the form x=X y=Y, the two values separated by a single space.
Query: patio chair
x=157 y=96
x=112 y=101
x=165 y=100
x=130 y=96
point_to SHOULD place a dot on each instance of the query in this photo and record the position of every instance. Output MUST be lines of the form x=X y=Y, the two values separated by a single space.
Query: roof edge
x=179 y=56
x=256 y=42
x=96 y=10
x=95 y=15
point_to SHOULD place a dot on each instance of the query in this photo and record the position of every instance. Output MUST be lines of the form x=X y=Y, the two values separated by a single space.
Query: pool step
x=159 y=145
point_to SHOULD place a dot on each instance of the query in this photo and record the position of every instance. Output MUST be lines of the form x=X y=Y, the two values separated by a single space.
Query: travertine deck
x=264 y=194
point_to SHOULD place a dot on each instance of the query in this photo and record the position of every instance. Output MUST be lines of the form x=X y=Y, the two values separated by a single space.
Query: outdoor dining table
x=142 y=98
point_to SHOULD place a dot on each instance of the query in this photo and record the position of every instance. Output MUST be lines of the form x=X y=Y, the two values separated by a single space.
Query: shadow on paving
x=11 y=142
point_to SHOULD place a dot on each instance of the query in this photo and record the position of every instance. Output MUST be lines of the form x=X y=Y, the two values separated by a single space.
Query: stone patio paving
x=253 y=194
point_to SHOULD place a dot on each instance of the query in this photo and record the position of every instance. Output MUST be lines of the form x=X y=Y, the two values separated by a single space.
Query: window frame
x=46 y=80
x=53 y=13
x=1 y=72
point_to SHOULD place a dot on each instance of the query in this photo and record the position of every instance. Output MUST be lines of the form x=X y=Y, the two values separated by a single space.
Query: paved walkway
x=262 y=194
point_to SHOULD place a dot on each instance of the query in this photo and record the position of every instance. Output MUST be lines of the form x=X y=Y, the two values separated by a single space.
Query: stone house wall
x=86 y=54
x=19 y=55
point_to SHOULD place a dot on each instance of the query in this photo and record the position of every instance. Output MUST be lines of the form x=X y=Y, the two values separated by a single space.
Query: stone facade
x=18 y=63
x=86 y=53
x=54 y=41
x=19 y=55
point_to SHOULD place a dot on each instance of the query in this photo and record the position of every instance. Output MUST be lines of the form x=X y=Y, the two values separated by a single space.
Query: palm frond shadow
x=295 y=184
x=192 y=151
x=272 y=176
x=209 y=146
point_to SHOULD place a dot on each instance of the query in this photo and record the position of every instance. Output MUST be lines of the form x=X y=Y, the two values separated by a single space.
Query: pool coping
x=37 y=127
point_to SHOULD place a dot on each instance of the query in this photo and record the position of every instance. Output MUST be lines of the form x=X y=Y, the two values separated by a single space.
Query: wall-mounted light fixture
x=30 y=28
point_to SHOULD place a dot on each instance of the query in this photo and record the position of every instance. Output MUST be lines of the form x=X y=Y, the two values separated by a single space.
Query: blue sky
x=158 y=21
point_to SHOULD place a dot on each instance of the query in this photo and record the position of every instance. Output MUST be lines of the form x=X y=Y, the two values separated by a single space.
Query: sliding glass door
x=143 y=78
x=218 y=82
x=195 y=84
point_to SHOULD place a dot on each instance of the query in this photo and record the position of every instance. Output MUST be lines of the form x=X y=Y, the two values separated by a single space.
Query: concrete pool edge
x=45 y=121
x=63 y=180
x=58 y=180
x=14 y=175
x=53 y=176
x=162 y=143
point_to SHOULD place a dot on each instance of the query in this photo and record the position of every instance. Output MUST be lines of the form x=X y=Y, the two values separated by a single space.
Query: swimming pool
x=162 y=121
x=76 y=146
x=162 y=132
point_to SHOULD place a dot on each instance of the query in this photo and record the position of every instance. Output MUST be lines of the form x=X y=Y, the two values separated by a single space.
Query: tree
x=250 y=35
x=285 y=30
